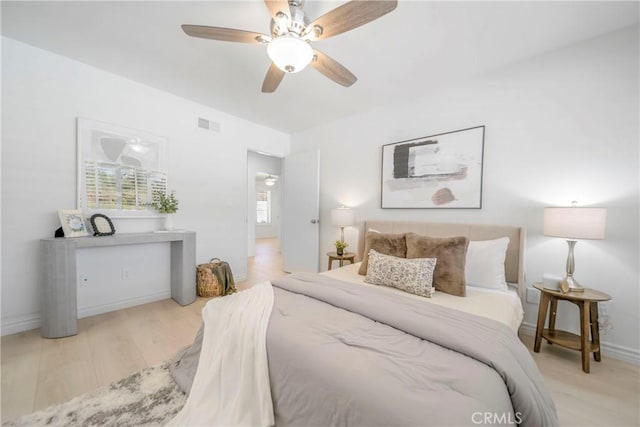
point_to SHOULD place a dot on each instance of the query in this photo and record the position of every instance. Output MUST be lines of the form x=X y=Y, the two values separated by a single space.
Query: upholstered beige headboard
x=514 y=262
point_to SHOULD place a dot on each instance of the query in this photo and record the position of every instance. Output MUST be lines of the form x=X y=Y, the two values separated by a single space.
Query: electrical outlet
x=125 y=274
x=533 y=296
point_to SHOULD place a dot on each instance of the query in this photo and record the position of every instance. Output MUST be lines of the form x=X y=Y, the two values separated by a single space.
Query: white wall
x=559 y=127
x=114 y=277
x=43 y=93
x=267 y=164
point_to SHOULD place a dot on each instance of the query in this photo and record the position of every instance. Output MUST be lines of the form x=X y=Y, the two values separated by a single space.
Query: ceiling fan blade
x=332 y=69
x=225 y=34
x=276 y=6
x=349 y=16
x=272 y=79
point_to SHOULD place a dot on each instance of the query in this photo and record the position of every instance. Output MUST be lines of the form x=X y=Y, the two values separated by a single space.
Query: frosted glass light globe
x=289 y=53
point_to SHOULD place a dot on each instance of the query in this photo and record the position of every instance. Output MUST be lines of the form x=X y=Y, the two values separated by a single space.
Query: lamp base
x=569 y=284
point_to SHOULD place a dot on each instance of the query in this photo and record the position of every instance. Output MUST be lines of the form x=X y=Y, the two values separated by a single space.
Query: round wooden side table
x=587 y=301
x=347 y=256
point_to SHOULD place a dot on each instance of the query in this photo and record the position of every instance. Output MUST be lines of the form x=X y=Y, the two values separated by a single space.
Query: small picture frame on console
x=102 y=225
x=72 y=222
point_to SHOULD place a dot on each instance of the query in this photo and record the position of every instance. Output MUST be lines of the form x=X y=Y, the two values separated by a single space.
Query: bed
x=502 y=306
x=324 y=349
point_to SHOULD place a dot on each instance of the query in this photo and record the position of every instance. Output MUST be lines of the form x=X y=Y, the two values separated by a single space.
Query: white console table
x=59 y=301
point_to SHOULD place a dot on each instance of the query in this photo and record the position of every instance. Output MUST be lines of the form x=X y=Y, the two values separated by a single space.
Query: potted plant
x=340 y=245
x=165 y=204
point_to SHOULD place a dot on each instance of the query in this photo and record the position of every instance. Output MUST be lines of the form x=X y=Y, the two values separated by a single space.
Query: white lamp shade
x=575 y=223
x=342 y=216
x=290 y=54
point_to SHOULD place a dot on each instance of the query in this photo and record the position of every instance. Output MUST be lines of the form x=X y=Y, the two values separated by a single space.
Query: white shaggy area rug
x=147 y=398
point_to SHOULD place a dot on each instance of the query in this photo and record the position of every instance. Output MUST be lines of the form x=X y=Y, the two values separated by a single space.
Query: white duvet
x=231 y=385
x=502 y=306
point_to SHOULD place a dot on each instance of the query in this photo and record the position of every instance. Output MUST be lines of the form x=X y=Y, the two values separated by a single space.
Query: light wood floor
x=39 y=372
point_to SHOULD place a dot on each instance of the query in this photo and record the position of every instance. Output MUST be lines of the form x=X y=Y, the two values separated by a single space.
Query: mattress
x=502 y=306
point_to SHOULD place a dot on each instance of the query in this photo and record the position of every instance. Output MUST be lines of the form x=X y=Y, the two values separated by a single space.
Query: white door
x=300 y=213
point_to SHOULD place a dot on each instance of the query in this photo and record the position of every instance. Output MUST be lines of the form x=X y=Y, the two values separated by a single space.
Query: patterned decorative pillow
x=410 y=275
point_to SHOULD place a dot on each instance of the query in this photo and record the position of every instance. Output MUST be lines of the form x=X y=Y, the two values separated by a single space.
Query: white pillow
x=414 y=275
x=484 y=267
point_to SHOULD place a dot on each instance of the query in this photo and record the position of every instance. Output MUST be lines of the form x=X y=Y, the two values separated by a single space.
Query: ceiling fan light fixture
x=290 y=53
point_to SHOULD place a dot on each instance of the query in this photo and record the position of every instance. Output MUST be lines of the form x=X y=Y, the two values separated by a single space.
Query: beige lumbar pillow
x=450 y=253
x=384 y=243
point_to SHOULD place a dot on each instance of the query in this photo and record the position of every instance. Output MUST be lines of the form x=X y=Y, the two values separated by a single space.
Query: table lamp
x=574 y=223
x=342 y=217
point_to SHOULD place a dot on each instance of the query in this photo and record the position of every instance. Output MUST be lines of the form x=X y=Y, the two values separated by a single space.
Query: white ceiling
x=402 y=56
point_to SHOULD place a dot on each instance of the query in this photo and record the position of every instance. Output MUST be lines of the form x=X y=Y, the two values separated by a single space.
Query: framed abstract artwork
x=442 y=171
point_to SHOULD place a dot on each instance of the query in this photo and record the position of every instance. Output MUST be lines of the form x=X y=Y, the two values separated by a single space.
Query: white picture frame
x=132 y=161
x=73 y=224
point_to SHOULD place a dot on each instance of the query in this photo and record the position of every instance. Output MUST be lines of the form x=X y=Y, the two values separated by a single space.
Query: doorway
x=264 y=207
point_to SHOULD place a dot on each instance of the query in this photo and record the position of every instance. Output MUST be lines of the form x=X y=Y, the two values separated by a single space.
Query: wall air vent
x=209 y=125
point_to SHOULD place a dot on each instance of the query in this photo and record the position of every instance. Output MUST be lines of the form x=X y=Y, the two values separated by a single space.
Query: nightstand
x=587 y=301
x=347 y=256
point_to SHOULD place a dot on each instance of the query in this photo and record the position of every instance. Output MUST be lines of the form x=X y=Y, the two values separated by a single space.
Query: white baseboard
x=15 y=324
x=615 y=351
x=32 y=321
x=527 y=329
x=119 y=305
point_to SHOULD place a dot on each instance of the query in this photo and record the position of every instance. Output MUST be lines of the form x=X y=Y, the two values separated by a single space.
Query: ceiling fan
x=289 y=45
